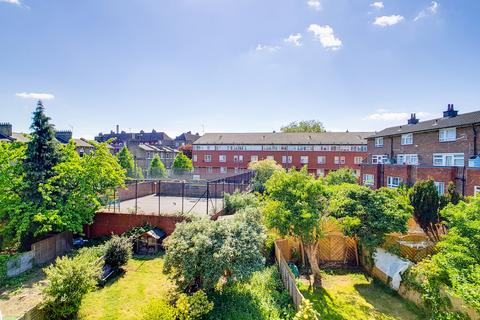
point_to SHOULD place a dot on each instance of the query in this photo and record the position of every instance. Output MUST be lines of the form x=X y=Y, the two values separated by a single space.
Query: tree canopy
x=126 y=161
x=304 y=126
x=342 y=175
x=425 y=200
x=182 y=164
x=157 y=168
x=264 y=169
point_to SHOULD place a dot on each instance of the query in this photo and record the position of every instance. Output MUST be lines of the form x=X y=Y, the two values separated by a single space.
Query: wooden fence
x=288 y=278
x=414 y=247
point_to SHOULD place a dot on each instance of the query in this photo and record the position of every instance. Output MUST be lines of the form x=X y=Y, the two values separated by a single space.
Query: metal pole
x=223 y=194
x=114 y=199
x=159 y=195
x=208 y=191
x=216 y=196
x=183 y=193
x=136 y=195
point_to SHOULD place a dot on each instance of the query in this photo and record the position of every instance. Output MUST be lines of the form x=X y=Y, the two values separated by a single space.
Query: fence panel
x=287 y=276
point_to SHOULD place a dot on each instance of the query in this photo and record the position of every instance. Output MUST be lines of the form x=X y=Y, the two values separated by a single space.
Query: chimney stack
x=413 y=119
x=63 y=135
x=118 y=129
x=451 y=112
x=6 y=129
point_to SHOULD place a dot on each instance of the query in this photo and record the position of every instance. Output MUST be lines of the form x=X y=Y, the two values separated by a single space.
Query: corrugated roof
x=259 y=138
x=434 y=124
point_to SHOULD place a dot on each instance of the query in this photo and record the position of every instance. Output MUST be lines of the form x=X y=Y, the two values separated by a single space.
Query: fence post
x=159 y=196
x=183 y=193
x=136 y=195
x=208 y=193
x=114 y=199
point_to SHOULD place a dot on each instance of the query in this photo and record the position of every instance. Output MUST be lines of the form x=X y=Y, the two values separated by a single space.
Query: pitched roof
x=20 y=137
x=259 y=138
x=430 y=125
x=82 y=143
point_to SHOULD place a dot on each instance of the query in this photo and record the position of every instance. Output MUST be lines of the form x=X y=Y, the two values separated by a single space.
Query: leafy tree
x=157 y=168
x=264 y=169
x=295 y=206
x=369 y=215
x=68 y=280
x=342 y=175
x=304 y=126
x=42 y=155
x=425 y=200
x=240 y=200
x=125 y=159
x=200 y=252
x=186 y=150
x=182 y=164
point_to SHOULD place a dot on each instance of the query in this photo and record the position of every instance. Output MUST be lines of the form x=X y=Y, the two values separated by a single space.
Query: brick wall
x=472 y=179
x=105 y=223
x=143 y=189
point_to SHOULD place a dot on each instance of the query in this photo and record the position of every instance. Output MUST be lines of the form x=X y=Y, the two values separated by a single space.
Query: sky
x=236 y=65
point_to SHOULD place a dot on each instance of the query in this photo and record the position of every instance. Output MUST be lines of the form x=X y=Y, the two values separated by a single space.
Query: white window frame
x=321 y=159
x=207 y=158
x=320 y=172
x=379 y=158
x=440 y=185
x=358 y=160
x=209 y=169
x=476 y=190
x=342 y=160
x=194 y=158
x=448 y=159
x=304 y=159
x=379 y=142
x=393 y=182
x=287 y=159
x=447 y=134
x=368 y=179
x=253 y=158
x=222 y=158
x=336 y=160
x=223 y=169
x=271 y=158
x=408 y=159
x=407 y=139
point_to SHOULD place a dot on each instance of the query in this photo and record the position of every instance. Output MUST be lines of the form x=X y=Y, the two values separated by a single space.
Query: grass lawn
x=351 y=295
x=126 y=296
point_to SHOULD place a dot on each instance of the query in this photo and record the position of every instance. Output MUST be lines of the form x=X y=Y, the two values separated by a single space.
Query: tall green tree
x=425 y=200
x=342 y=175
x=304 y=126
x=157 y=168
x=42 y=154
x=125 y=158
x=263 y=169
x=295 y=206
x=182 y=164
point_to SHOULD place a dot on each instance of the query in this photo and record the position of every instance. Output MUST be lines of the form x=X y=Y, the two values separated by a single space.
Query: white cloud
x=315 y=4
x=384 y=115
x=294 y=39
x=17 y=2
x=385 y=21
x=325 y=35
x=377 y=5
x=37 y=96
x=267 y=48
x=433 y=9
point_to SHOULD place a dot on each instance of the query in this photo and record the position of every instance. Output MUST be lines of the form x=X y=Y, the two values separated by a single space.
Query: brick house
x=444 y=149
x=186 y=138
x=144 y=153
x=221 y=154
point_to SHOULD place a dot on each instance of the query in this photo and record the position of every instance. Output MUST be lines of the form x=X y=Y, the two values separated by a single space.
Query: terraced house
x=445 y=149
x=217 y=154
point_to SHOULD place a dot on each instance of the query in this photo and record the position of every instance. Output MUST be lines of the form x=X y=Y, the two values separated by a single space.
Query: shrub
x=68 y=281
x=306 y=312
x=159 y=310
x=263 y=171
x=118 y=250
x=238 y=201
x=191 y=307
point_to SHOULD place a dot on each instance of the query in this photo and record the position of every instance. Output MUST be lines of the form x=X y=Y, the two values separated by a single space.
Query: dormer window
x=407 y=139
x=379 y=142
x=449 y=134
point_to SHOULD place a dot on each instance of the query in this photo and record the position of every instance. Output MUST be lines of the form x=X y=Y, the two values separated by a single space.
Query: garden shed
x=150 y=242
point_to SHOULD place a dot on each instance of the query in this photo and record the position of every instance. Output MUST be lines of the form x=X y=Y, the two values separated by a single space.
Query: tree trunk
x=312 y=253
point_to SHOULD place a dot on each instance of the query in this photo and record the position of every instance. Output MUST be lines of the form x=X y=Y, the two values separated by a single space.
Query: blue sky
x=236 y=65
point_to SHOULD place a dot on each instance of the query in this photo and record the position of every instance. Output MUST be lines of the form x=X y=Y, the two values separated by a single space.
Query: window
x=320 y=172
x=448 y=159
x=476 y=190
x=236 y=169
x=376 y=159
x=357 y=172
x=223 y=170
x=342 y=160
x=321 y=159
x=440 y=187
x=407 y=159
x=407 y=139
x=270 y=158
x=368 y=179
x=393 y=182
x=449 y=134
x=209 y=170
x=336 y=160
x=253 y=158
x=304 y=159
x=207 y=158
x=358 y=160
x=379 y=142
x=286 y=159
x=222 y=158
x=194 y=158
x=238 y=159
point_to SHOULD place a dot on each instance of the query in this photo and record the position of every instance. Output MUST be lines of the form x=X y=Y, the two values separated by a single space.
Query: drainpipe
x=475 y=136
x=391 y=148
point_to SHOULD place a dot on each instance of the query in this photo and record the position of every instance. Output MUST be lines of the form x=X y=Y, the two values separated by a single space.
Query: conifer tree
x=157 y=168
x=125 y=159
x=182 y=164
